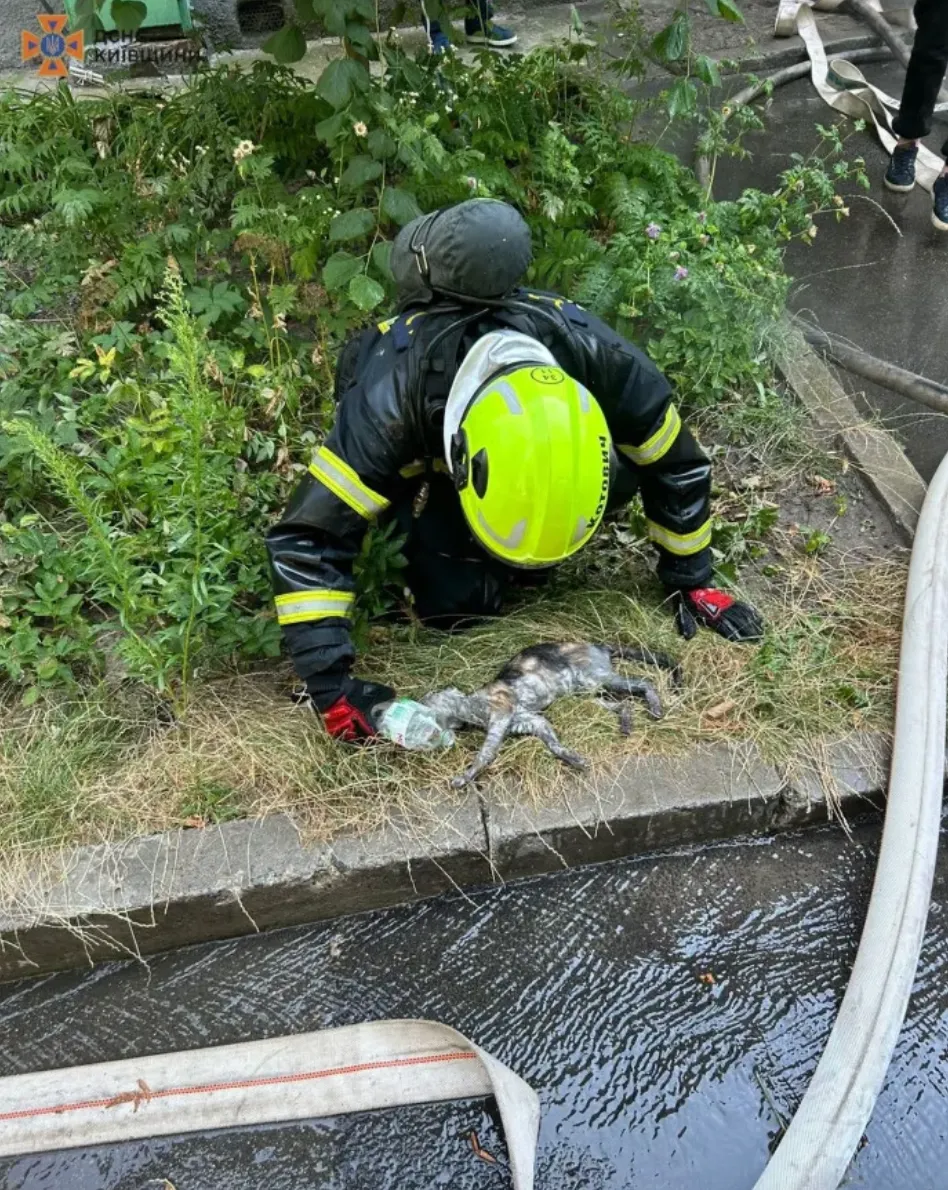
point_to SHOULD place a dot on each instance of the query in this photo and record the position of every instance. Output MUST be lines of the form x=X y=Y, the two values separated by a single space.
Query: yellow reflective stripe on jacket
x=418 y=468
x=558 y=302
x=343 y=482
x=660 y=443
x=387 y=325
x=301 y=607
x=681 y=544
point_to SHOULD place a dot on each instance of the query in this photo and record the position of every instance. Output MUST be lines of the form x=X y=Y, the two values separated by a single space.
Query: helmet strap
x=417 y=245
x=460 y=462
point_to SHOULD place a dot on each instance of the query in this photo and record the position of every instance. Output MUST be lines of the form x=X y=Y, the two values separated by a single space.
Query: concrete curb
x=182 y=887
x=872 y=448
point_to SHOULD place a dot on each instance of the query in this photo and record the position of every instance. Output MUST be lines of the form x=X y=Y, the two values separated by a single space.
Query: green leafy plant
x=157 y=534
x=155 y=421
x=815 y=541
x=380 y=574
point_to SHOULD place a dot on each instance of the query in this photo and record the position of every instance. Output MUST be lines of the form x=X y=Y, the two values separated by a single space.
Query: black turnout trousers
x=452 y=580
x=926 y=71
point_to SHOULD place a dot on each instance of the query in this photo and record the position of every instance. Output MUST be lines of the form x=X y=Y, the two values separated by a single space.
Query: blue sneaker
x=900 y=176
x=940 y=203
x=440 y=44
x=481 y=32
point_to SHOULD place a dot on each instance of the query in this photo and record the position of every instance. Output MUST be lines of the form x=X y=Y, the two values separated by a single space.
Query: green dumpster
x=160 y=14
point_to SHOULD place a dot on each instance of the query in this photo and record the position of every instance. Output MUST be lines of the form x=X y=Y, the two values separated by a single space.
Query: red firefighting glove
x=717 y=610
x=349 y=715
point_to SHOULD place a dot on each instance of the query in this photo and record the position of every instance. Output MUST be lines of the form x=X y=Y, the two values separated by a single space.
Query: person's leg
x=452 y=581
x=437 y=39
x=481 y=29
x=624 y=485
x=926 y=72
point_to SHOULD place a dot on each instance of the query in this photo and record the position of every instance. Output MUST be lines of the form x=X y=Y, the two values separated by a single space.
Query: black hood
x=478 y=250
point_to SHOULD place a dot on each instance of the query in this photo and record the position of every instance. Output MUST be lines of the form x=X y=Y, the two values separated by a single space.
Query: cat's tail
x=648 y=657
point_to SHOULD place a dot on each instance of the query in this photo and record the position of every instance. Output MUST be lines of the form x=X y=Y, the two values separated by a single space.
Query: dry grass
x=103 y=767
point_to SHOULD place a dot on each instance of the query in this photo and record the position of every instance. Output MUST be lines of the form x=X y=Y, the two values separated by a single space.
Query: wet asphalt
x=877 y=278
x=668 y=1010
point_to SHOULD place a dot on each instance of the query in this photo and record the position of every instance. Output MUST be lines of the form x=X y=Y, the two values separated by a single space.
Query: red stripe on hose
x=275 y=1080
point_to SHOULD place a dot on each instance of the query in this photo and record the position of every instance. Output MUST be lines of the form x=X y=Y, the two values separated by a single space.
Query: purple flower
x=681 y=273
x=702 y=216
x=653 y=231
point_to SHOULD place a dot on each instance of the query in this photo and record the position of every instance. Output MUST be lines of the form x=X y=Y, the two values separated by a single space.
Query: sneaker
x=439 y=43
x=480 y=32
x=940 y=203
x=900 y=176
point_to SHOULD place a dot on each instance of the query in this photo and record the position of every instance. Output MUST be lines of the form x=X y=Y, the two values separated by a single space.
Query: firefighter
x=496 y=425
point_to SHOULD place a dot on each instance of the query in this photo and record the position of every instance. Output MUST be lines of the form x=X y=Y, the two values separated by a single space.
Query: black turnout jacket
x=392 y=383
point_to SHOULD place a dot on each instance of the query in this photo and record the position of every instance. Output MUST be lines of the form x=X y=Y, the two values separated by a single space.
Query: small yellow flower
x=360 y=129
x=243 y=149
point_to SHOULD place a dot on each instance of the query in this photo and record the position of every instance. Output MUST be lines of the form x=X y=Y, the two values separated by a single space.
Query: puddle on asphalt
x=667 y=1010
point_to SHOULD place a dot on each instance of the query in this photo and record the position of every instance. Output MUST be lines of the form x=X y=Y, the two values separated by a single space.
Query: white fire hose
x=844 y=87
x=828 y=1126
x=307 y=1076
x=829 y=1123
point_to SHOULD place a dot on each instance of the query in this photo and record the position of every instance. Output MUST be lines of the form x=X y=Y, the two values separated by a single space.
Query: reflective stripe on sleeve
x=660 y=443
x=300 y=607
x=681 y=544
x=343 y=482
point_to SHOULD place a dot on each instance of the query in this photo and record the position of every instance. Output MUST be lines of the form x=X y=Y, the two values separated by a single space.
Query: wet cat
x=531 y=681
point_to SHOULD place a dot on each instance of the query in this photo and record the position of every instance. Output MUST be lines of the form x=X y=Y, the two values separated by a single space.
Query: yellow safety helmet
x=531 y=460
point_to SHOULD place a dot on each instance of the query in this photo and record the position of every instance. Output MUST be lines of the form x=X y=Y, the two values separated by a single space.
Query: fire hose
x=829 y=1123
x=329 y=1073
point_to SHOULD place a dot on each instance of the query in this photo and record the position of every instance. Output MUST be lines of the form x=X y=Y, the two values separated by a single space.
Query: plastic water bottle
x=412 y=726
